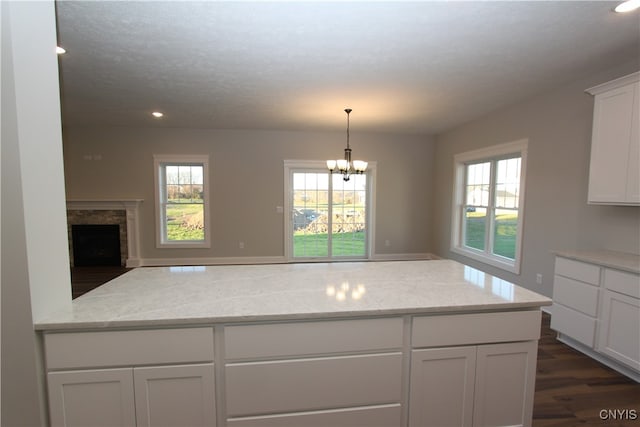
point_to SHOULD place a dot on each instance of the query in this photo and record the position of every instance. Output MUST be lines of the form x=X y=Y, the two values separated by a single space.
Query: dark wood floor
x=84 y=279
x=571 y=388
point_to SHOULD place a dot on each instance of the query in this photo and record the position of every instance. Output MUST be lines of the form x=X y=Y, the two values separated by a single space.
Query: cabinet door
x=633 y=170
x=91 y=398
x=619 y=335
x=175 y=395
x=442 y=382
x=505 y=382
x=611 y=145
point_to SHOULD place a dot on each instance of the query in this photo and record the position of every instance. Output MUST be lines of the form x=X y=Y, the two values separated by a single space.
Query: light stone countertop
x=618 y=260
x=168 y=296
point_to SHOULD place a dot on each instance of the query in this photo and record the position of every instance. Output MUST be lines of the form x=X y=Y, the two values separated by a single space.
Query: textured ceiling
x=403 y=67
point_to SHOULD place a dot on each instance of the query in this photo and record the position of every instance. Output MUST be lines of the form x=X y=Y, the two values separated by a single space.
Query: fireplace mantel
x=131 y=206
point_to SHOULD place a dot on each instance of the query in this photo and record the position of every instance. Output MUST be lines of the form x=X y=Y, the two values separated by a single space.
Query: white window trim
x=291 y=165
x=460 y=161
x=158 y=161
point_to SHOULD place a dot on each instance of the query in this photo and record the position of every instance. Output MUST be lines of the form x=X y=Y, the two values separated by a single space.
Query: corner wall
x=556 y=215
x=35 y=272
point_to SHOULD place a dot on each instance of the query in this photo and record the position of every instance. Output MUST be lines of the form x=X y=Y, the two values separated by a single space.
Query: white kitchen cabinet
x=100 y=398
x=175 y=395
x=619 y=336
x=417 y=370
x=177 y=390
x=596 y=309
x=614 y=174
x=442 y=383
x=474 y=385
x=142 y=397
x=338 y=373
x=488 y=385
x=505 y=384
x=310 y=384
x=620 y=328
x=367 y=416
x=576 y=290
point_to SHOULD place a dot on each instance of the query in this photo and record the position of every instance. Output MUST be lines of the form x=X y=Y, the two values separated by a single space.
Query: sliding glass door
x=329 y=216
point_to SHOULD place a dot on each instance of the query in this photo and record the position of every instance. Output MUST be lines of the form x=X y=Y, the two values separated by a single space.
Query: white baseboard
x=404 y=257
x=164 y=262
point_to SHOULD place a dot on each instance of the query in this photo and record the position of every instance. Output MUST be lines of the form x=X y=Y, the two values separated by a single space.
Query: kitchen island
x=340 y=344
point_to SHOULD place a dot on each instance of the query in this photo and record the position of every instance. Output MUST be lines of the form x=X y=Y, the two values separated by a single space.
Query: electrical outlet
x=539 y=279
x=387 y=243
x=241 y=245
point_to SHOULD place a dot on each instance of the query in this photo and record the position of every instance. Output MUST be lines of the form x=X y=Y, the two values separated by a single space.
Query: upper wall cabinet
x=614 y=174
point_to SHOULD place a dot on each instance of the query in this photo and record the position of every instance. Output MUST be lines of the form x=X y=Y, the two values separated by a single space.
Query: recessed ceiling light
x=157 y=114
x=60 y=50
x=627 y=6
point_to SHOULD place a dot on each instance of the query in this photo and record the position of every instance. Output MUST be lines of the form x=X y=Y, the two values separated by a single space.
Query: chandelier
x=346 y=166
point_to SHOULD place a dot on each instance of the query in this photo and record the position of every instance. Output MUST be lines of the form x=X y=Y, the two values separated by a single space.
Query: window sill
x=494 y=261
x=184 y=245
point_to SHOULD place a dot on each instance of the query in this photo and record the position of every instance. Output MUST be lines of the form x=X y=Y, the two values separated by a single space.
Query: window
x=329 y=218
x=488 y=204
x=182 y=207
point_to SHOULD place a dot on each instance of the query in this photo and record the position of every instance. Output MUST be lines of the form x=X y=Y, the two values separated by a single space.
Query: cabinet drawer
x=576 y=295
x=128 y=348
x=462 y=329
x=625 y=283
x=373 y=416
x=577 y=270
x=574 y=324
x=312 y=338
x=310 y=384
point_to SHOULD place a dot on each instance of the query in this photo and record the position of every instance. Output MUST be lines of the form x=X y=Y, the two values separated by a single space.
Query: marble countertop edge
x=209 y=321
x=605 y=258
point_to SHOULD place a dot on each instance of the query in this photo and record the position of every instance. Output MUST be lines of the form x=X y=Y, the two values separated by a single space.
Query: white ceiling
x=404 y=67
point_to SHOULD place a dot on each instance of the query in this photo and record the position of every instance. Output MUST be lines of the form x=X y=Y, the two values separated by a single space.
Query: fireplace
x=122 y=213
x=96 y=245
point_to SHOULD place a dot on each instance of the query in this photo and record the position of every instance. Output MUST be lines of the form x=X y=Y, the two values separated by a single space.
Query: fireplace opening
x=96 y=245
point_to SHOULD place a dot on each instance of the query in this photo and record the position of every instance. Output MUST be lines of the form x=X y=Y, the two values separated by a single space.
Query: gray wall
x=247 y=181
x=19 y=376
x=556 y=215
x=35 y=273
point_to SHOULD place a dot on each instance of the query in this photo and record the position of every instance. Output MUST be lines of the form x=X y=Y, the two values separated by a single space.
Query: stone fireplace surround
x=122 y=212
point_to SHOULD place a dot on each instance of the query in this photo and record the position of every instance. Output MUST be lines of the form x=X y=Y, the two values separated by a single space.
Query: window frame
x=488 y=154
x=160 y=162
x=315 y=166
